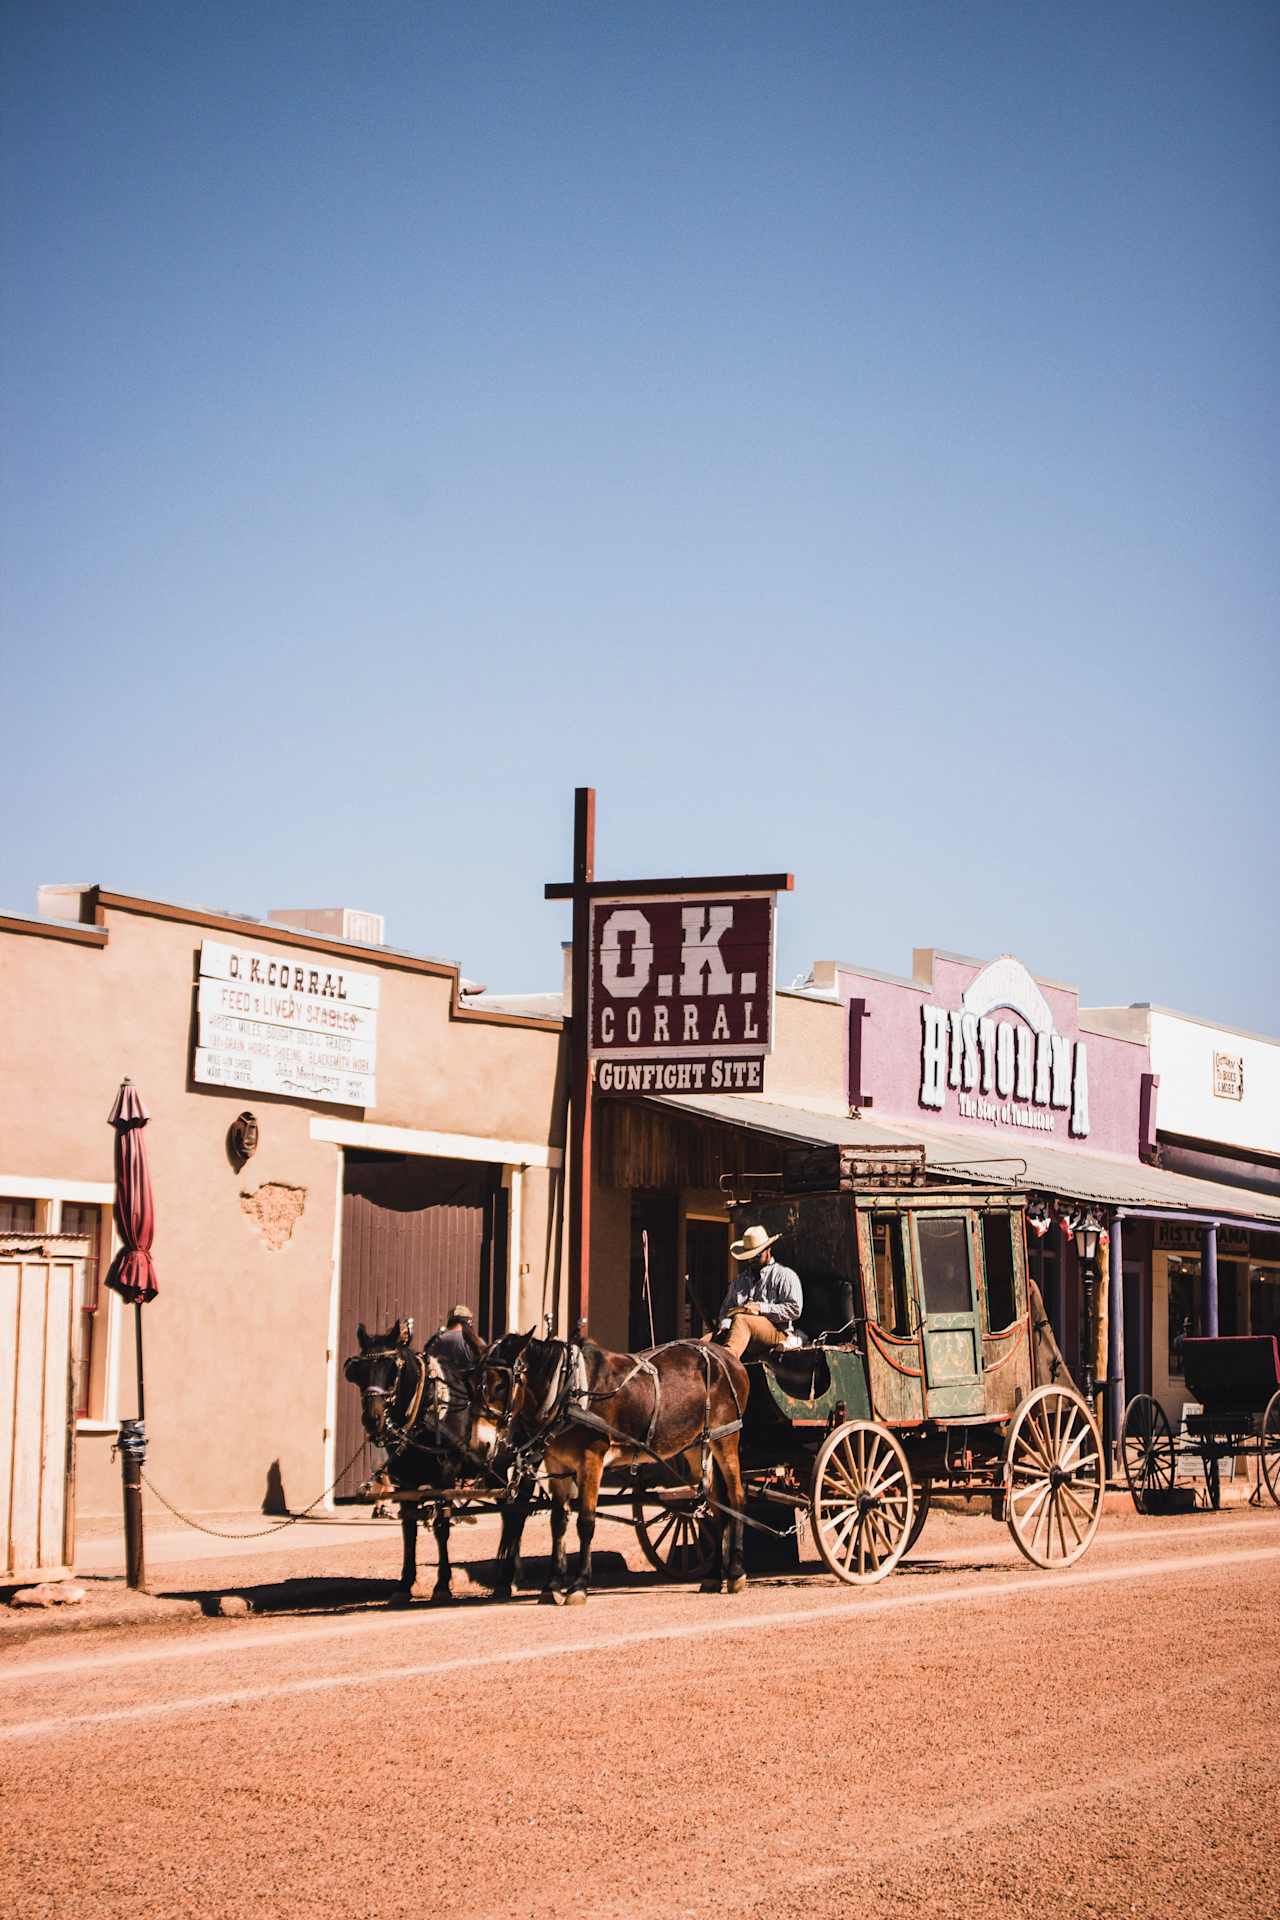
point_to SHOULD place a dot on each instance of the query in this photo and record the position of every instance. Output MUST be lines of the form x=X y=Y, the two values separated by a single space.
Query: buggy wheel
x=1146 y=1448
x=861 y=1502
x=1053 y=1477
x=923 y=1501
x=1270 y=1445
x=674 y=1536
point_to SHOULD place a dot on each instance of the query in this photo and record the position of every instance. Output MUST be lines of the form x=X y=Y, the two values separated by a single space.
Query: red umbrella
x=133 y=1275
x=132 y=1272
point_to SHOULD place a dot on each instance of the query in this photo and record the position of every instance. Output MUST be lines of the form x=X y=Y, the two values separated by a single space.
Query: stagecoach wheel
x=923 y=1501
x=1146 y=1447
x=1053 y=1477
x=1270 y=1443
x=674 y=1537
x=861 y=1502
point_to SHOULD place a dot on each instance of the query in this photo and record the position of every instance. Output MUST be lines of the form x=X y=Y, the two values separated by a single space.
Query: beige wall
x=809 y=1060
x=239 y=1372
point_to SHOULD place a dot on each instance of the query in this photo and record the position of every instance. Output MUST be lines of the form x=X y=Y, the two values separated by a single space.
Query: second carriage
x=926 y=1366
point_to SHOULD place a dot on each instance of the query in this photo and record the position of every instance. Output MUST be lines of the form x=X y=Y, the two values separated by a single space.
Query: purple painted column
x=1115 y=1336
x=1209 y=1282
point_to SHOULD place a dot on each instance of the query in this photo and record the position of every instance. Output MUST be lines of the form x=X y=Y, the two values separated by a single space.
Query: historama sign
x=681 y=995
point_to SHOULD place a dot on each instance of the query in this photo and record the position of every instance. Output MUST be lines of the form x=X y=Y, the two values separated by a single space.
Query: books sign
x=298 y=1024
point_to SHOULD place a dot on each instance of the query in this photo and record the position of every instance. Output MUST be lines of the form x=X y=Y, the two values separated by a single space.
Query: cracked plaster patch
x=275 y=1211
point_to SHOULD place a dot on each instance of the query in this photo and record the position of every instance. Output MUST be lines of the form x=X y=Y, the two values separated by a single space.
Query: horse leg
x=729 y=1471
x=409 y=1537
x=441 y=1522
x=589 y=1474
x=513 y=1520
x=559 y=1484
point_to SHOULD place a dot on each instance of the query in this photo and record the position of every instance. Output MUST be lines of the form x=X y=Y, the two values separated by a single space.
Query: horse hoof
x=738 y=1584
x=402 y=1597
x=551 y=1597
x=441 y=1596
x=712 y=1584
x=500 y=1593
x=577 y=1597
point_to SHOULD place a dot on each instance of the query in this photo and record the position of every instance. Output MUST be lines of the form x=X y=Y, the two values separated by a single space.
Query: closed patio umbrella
x=133 y=1276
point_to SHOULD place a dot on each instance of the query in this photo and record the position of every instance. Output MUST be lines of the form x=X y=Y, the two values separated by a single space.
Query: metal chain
x=258 y=1533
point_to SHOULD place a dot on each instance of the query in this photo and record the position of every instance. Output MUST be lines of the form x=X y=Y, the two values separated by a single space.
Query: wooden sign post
x=691 y=1039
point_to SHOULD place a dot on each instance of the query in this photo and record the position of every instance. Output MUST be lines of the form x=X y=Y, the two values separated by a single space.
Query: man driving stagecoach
x=763 y=1302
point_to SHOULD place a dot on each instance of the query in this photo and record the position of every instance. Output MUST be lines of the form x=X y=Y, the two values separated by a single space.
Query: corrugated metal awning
x=1012 y=1161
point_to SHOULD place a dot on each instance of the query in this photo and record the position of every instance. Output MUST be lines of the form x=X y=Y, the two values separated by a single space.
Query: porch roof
x=1011 y=1161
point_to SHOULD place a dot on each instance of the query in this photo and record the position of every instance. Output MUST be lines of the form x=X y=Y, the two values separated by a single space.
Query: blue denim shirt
x=774 y=1290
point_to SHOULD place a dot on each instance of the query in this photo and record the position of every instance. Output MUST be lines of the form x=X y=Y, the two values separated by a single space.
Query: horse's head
x=503 y=1390
x=379 y=1370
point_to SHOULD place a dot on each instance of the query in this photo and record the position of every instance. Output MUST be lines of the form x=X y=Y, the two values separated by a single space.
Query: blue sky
x=845 y=435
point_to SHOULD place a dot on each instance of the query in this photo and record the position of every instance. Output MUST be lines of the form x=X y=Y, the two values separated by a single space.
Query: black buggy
x=1236 y=1380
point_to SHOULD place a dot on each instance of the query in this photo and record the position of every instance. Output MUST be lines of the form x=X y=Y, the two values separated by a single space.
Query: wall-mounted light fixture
x=242 y=1139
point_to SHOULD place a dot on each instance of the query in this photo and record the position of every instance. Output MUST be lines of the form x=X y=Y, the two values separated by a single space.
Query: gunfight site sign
x=681 y=994
x=299 y=1024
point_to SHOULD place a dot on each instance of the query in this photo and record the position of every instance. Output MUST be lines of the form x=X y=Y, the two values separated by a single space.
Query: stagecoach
x=925 y=1366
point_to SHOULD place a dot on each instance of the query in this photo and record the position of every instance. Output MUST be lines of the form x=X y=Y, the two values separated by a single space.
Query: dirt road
x=971 y=1738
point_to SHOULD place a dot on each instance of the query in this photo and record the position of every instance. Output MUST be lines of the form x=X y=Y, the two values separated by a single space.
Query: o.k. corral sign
x=681 y=993
x=297 y=1024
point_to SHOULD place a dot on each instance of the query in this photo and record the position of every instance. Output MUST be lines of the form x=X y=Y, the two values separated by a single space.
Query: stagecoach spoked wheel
x=1053 y=1477
x=923 y=1501
x=674 y=1535
x=1270 y=1443
x=861 y=1502
x=1146 y=1447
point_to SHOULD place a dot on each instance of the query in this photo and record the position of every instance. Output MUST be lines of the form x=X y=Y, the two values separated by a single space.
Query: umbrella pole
x=133 y=1451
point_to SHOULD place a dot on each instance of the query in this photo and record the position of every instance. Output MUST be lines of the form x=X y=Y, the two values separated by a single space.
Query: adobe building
x=406 y=1155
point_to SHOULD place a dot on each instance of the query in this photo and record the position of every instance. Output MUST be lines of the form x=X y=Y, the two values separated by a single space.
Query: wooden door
x=38 y=1294
x=950 y=1331
x=418 y=1236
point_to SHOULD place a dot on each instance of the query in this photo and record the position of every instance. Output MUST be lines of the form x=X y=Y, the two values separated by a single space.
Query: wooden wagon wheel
x=1053 y=1477
x=1270 y=1445
x=674 y=1537
x=861 y=1502
x=1146 y=1447
x=923 y=1501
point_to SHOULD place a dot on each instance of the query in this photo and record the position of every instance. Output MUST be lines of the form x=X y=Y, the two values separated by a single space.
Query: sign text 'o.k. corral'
x=303 y=1025
x=681 y=993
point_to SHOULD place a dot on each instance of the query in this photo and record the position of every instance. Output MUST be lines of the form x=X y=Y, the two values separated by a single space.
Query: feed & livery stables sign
x=681 y=994
x=298 y=1024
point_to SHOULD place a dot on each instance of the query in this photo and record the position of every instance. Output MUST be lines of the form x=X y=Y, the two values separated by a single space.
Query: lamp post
x=1087 y=1232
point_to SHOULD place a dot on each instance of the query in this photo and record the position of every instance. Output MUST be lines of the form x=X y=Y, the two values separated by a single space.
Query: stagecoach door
x=950 y=1332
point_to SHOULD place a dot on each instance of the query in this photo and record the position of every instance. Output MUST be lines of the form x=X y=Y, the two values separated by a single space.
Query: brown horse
x=578 y=1409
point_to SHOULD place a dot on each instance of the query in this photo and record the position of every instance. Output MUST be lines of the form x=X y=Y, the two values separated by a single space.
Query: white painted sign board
x=299 y=1024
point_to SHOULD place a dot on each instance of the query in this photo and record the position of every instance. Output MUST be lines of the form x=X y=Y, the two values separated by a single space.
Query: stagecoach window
x=997 y=1250
x=891 y=1272
x=944 y=1265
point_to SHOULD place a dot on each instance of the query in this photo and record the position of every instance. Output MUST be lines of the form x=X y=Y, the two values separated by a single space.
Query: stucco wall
x=1182 y=1052
x=237 y=1344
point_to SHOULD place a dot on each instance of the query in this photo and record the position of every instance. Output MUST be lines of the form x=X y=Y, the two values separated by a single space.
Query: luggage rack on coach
x=831 y=1169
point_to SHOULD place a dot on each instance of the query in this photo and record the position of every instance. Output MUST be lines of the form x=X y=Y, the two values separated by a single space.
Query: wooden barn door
x=418 y=1235
x=39 y=1291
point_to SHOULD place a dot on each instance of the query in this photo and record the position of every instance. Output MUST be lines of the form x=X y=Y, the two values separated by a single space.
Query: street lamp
x=1088 y=1231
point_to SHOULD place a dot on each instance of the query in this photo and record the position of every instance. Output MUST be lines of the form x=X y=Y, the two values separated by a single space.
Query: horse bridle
x=397 y=1433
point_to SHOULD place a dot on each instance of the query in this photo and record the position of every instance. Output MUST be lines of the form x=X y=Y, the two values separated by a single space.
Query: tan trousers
x=752 y=1333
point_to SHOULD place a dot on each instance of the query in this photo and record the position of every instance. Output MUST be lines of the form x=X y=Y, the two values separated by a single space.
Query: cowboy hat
x=461 y=1312
x=753 y=1241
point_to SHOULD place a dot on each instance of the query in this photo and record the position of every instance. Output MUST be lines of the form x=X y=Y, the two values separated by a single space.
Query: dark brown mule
x=420 y=1407
x=578 y=1408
